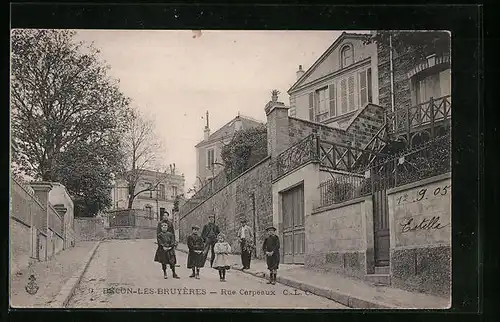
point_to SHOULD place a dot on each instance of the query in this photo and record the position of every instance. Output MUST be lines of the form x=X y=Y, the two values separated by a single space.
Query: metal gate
x=382 y=177
x=294 y=242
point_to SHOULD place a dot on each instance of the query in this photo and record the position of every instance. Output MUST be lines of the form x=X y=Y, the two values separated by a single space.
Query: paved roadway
x=126 y=267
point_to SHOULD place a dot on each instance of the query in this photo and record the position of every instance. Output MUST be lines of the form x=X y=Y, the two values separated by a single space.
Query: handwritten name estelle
x=425 y=224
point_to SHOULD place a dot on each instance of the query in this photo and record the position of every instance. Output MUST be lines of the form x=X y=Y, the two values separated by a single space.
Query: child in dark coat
x=195 y=256
x=165 y=254
x=271 y=248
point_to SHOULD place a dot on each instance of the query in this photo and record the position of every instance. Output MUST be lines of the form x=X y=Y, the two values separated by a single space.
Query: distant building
x=156 y=201
x=342 y=81
x=208 y=151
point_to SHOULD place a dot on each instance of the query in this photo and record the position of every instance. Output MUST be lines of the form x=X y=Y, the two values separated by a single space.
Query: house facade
x=342 y=81
x=208 y=151
x=156 y=201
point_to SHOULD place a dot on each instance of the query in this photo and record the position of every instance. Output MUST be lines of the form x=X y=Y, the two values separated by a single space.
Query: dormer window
x=346 y=56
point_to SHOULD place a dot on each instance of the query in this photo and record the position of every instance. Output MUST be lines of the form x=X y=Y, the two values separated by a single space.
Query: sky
x=174 y=77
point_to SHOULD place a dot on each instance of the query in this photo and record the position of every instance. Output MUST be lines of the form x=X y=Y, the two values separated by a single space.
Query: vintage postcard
x=230 y=169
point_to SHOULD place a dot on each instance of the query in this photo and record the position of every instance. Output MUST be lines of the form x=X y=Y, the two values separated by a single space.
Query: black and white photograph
x=236 y=169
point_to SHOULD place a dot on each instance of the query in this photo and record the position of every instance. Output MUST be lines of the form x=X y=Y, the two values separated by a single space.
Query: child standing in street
x=222 y=250
x=165 y=253
x=195 y=256
x=271 y=248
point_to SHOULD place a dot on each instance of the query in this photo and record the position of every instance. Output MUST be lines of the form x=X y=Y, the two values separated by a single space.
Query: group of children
x=165 y=254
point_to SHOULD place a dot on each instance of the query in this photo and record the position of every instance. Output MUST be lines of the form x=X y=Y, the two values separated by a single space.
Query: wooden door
x=381 y=228
x=293 y=226
x=381 y=181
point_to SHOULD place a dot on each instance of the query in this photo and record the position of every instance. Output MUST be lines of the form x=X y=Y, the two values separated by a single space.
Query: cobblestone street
x=127 y=268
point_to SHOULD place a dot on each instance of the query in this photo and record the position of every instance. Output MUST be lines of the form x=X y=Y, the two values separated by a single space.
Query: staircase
x=381 y=276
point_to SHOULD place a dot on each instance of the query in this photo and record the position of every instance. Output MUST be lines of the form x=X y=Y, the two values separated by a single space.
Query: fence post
x=431 y=102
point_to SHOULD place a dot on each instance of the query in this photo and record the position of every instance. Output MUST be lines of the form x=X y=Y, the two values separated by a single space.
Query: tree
x=246 y=148
x=63 y=103
x=421 y=44
x=142 y=151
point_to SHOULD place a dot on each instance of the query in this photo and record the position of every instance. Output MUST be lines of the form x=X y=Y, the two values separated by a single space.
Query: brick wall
x=234 y=202
x=401 y=66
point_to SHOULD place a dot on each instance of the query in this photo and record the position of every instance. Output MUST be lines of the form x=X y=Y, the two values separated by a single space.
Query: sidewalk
x=348 y=291
x=52 y=277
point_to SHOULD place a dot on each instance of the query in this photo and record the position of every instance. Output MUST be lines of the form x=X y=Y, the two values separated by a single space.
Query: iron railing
x=297 y=155
x=406 y=120
x=412 y=165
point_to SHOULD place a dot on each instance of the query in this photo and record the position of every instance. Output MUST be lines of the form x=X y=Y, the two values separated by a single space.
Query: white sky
x=175 y=78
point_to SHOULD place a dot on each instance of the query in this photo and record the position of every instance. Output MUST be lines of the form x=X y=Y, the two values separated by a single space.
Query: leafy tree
x=142 y=153
x=420 y=44
x=64 y=103
x=246 y=148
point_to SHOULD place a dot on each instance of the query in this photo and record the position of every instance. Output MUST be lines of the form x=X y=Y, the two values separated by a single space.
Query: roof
x=228 y=129
x=323 y=57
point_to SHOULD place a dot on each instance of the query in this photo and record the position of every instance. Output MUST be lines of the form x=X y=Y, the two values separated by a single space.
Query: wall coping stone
x=419 y=183
x=229 y=183
x=273 y=181
x=340 y=205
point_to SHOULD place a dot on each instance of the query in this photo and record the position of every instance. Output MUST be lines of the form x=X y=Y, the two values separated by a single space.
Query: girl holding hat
x=222 y=250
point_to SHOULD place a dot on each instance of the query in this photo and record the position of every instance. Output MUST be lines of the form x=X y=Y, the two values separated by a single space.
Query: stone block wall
x=338 y=238
x=89 y=229
x=234 y=202
x=20 y=245
x=130 y=233
x=360 y=130
x=420 y=219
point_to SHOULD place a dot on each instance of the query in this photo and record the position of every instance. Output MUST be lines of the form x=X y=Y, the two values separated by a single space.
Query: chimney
x=206 y=130
x=300 y=72
x=238 y=125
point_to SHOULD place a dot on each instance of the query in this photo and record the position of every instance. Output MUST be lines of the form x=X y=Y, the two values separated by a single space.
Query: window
x=149 y=209
x=365 y=87
x=162 y=191
x=149 y=186
x=174 y=191
x=322 y=105
x=346 y=55
x=210 y=158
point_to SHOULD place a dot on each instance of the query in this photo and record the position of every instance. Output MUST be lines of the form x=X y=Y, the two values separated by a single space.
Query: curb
x=342 y=298
x=66 y=292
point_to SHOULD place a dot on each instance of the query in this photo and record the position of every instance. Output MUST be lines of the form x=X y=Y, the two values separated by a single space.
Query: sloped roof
x=325 y=55
x=228 y=129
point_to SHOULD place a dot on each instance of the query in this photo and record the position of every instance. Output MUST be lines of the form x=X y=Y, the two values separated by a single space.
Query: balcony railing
x=409 y=119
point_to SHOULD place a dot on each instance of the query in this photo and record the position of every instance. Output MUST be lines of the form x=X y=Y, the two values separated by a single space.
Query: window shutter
x=363 y=92
x=343 y=93
x=333 y=100
x=369 y=81
x=351 y=93
x=311 y=106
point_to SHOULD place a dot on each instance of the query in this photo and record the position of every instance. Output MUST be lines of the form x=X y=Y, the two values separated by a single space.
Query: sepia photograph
x=230 y=169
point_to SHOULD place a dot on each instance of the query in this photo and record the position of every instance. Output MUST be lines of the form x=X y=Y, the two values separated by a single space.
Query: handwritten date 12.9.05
x=422 y=193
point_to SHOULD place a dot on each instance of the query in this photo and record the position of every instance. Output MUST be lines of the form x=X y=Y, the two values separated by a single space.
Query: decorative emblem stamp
x=32 y=287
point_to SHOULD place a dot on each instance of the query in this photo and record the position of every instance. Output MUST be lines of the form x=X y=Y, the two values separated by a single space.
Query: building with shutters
x=342 y=81
x=160 y=199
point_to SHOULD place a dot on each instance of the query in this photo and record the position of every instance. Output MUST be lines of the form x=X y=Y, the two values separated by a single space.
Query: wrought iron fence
x=425 y=161
x=343 y=187
x=205 y=192
x=296 y=155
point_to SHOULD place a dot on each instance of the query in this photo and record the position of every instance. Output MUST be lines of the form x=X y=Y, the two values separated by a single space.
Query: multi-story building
x=342 y=81
x=160 y=199
x=208 y=151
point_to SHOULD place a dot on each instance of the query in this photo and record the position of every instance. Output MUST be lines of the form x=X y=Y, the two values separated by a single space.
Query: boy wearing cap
x=271 y=248
x=195 y=258
x=209 y=234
